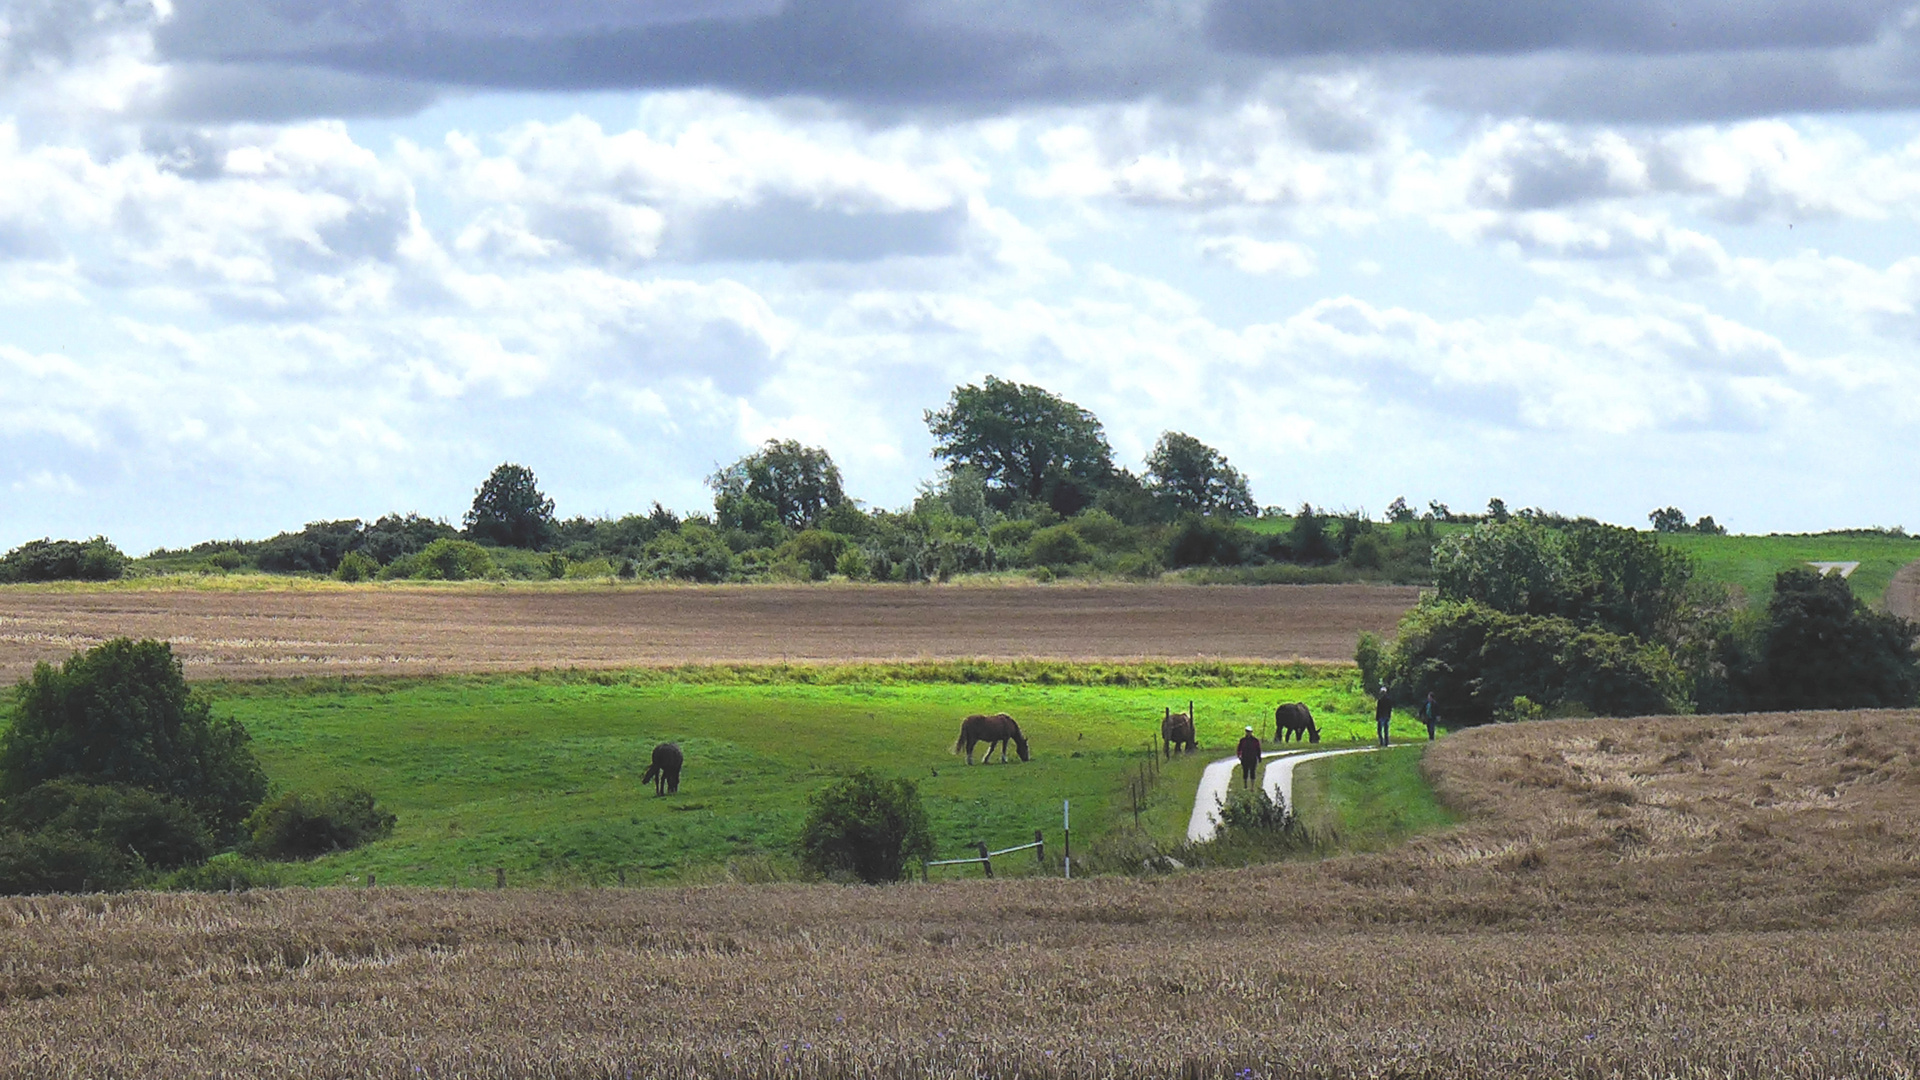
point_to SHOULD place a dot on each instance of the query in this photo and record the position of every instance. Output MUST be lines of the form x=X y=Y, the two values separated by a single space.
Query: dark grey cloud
x=1479 y=27
x=1606 y=60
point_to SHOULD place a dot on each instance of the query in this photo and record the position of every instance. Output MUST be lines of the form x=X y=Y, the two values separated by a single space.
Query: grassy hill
x=1749 y=563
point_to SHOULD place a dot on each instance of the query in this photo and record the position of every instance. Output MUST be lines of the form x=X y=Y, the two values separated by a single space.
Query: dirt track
x=411 y=631
x=1903 y=592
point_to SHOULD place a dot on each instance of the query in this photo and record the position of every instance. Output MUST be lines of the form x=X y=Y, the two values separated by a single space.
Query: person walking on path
x=1249 y=754
x=1383 y=715
x=1430 y=712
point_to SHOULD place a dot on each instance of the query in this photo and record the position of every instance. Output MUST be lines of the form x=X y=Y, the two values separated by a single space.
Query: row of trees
x=1028 y=483
x=1528 y=620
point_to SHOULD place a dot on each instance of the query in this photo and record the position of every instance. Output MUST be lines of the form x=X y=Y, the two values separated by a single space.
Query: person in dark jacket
x=1430 y=712
x=1383 y=715
x=1249 y=754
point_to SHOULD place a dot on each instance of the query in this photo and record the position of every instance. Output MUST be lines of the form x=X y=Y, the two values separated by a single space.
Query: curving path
x=1217 y=780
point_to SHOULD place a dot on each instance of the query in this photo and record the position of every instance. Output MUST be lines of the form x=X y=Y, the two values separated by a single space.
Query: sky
x=265 y=262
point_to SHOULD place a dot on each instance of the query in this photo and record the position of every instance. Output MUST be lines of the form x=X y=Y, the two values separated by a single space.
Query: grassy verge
x=1367 y=802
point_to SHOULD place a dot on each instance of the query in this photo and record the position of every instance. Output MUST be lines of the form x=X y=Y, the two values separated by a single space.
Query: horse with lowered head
x=664 y=772
x=1176 y=729
x=996 y=730
x=1294 y=720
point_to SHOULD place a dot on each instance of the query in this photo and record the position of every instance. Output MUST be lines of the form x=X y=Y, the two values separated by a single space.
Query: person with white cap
x=1249 y=754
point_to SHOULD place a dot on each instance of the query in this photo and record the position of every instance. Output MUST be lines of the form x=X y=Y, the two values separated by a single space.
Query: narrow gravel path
x=1277 y=778
x=1903 y=592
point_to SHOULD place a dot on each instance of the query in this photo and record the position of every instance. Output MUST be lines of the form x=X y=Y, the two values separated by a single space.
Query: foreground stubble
x=1670 y=897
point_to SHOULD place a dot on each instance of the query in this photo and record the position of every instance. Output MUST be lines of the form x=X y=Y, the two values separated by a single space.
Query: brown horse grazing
x=664 y=773
x=1294 y=720
x=1176 y=729
x=993 y=730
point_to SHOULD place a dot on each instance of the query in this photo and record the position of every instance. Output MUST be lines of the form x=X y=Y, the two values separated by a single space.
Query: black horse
x=1176 y=729
x=993 y=730
x=1294 y=721
x=664 y=773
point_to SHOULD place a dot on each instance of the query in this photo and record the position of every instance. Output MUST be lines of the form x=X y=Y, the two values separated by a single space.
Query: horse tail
x=960 y=743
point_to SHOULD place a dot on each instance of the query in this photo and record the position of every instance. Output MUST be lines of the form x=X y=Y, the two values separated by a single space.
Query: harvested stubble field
x=1711 y=896
x=323 y=629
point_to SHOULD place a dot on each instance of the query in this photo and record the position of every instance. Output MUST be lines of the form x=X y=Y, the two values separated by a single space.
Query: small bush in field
x=59 y=861
x=1253 y=809
x=866 y=826
x=222 y=873
x=355 y=566
x=161 y=832
x=1058 y=545
x=303 y=825
x=453 y=560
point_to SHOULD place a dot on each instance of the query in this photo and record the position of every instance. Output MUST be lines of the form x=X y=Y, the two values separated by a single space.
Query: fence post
x=1066 y=838
x=369 y=880
x=499 y=877
x=1040 y=852
x=623 y=877
x=986 y=860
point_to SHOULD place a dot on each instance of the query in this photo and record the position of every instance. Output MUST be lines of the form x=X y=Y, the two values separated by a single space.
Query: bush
x=1821 y=648
x=121 y=714
x=817 y=553
x=223 y=873
x=692 y=552
x=452 y=560
x=1476 y=661
x=1249 y=809
x=866 y=827
x=1058 y=545
x=59 y=861
x=300 y=825
x=1202 y=541
x=1371 y=657
x=63 y=560
x=355 y=566
x=161 y=832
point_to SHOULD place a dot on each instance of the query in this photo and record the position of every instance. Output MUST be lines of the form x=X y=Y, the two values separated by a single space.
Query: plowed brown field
x=341 y=631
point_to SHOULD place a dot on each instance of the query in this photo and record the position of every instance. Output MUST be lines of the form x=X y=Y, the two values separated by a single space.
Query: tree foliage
x=1029 y=445
x=1821 y=648
x=1193 y=477
x=121 y=714
x=304 y=825
x=866 y=826
x=63 y=560
x=782 y=481
x=510 y=511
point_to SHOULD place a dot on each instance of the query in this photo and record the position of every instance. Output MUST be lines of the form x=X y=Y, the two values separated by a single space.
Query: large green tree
x=121 y=714
x=509 y=510
x=1822 y=648
x=1195 y=478
x=782 y=481
x=1029 y=444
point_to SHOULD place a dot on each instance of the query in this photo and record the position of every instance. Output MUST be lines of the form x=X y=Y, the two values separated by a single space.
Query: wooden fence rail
x=985 y=858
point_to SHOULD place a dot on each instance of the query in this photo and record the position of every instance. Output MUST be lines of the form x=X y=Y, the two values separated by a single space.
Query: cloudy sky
x=271 y=261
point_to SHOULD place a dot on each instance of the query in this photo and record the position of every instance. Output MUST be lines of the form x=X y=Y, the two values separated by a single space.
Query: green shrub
x=1370 y=655
x=1821 y=648
x=817 y=551
x=1012 y=535
x=63 y=560
x=1205 y=541
x=852 y=565
x=302 y=825
x=452 y=560
x=693 y=552
x=160 y=831
x=122 y=714
x=59 y=861
x=589 y=568
x=223 y=873
x=1254 y=809
x=866 y=827
x=355 y=566
x=1367 y=553
x=1057 y=546
x=1476 y=661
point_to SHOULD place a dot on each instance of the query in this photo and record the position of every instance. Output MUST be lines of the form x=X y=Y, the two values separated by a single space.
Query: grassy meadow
x=540 y=774
x=1749 y=563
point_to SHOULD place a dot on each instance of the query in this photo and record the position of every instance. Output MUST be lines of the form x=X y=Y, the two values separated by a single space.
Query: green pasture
x=1365 y=802
x=1749 y=563
x=540 y=774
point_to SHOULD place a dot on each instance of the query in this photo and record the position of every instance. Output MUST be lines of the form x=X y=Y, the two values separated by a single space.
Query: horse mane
x=1018 y=735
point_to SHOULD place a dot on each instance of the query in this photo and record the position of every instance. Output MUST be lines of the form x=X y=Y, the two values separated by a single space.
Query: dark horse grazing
x=664 y=773
x=1294 y=720
x=1177 y=730
x=993 y=730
